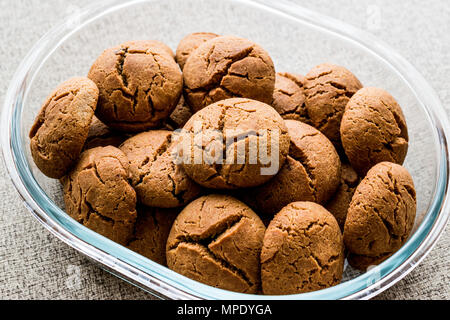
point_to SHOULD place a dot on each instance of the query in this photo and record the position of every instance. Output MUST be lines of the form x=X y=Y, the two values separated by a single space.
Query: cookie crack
x=386 y=223
x=223 y=263
x=207 y=240
x=216 y=77
x=396 y=191
x=303 y=160
x=218 y=167
x=119 y=65
x=159 y=152
x=91 y=210
x=133 y=106
x=320 y=75
x=400 y=124
x=178 y=196
x=208 y=56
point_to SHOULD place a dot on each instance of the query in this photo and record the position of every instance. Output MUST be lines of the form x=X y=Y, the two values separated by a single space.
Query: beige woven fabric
x=36 y=265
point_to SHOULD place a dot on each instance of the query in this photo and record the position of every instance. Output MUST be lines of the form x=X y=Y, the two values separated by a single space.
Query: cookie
x=100 y=135
x=217 y=240
x=302 y=250
x=311 y=172
x=179 y=116
x=227 y=67
x=140 y=84
x=289 y=97
x=328 y=88
x=151 y=232
x=97 y=193
x=229 y=130
x=340 y=202
x=62 y=125
x=373 y=130
x=382 y=212
x=189 y=43
x=157 y=179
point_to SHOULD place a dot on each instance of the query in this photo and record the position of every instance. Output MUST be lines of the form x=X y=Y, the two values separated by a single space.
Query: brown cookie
x=328 y=88
x=157 y=179
x=382 y=212
x=217 y=240
x=140 y=84
x=189 y=43
x=302 y=251
x=151 y=232
x=62 y=125
x=311 y=172
x=179 y=116
x=100 y=135
x=229 y=130
x=340 y=202
x=373 y=130
x=289 y=97
x=227 y=67
x=97 y=193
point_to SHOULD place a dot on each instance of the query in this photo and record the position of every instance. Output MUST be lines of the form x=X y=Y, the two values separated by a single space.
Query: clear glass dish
x=297 y=39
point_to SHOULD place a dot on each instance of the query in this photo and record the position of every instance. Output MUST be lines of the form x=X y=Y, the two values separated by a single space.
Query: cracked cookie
x=100 y=135
x=328 y=88
x=157 y=179
x=373 y=130
x=340 y=202
x=311 y=172
x=227 y=67
x=62 y=125
x=302 y=250
x=381 y=213
x=97 y=193
x=189 y=43
x=151 y=232
x=289 y=97
x=228 y=131
x=217 y=240
x=140 y=84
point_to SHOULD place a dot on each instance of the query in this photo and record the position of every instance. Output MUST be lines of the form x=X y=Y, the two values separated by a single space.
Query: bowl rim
x=158 y=279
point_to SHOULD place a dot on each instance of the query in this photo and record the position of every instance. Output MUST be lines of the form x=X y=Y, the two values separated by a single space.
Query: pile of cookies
x=336 y=190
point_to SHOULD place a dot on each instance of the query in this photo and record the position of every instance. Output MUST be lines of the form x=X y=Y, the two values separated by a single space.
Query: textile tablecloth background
x=36 y=265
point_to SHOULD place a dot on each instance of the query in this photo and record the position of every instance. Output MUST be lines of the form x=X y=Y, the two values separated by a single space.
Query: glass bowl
x=297 y=39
